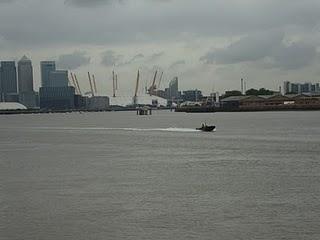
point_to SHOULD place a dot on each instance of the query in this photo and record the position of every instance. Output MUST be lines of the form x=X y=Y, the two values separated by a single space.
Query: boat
x=206 y=128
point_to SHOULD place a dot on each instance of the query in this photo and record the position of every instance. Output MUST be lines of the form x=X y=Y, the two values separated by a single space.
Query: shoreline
x=271 y=109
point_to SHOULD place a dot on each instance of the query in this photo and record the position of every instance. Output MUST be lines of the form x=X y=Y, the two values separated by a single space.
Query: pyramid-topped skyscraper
x=27 y=95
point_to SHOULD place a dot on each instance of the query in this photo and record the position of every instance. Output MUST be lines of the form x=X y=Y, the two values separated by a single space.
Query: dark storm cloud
x=6 y=1
x=156 y=56
x=148 y=21
x=94 y=3
x=261 y=46
x=73 y=61
x=89 y=3
x=249 y=48
x=177 y=63
x=294 y=56
x=134 y=59
x=111 y=58
x=238 y=32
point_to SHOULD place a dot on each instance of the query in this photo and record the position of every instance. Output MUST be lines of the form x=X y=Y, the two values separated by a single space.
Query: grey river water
x=121 y=176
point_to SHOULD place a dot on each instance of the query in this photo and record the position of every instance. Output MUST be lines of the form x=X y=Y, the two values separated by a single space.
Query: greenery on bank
x=250 y=92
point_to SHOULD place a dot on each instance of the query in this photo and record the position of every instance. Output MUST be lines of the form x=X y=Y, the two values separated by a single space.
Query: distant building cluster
x=17 y=86
x=173 y=95
x=299 y=88
x=172 y=92
x=271 y=102
x=55 y=93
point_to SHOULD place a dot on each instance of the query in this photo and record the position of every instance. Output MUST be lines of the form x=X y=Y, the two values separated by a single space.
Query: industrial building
x=98 y=103
x=271 y=102
x=192 y=95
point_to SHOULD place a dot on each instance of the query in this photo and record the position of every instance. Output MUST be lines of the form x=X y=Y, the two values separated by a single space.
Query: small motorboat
x=206 y=128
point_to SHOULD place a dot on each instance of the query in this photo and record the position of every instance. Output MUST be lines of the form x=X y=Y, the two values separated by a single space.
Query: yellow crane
x=73 y=82
x=90 y=82
x=153 y=86
x=113 y=84
x=160 y=80
x=135 y=98
x=77 y=83
x=116 y=81
x=94 y=84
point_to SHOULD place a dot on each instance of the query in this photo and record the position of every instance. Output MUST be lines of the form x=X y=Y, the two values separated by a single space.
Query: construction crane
x=77 y=83
x=153 y=86
x=73 y=82
x=113 y=84
x=160 y=80
x=94 y=84
x=90 y=82
x=135 y=98
x=116 y=81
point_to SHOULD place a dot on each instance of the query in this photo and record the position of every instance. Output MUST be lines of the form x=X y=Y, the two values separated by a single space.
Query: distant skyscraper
x=8 y=77
x=46 y=68
x=25 y=75
x=174 y=88
x=27 y=96
x=286 y=87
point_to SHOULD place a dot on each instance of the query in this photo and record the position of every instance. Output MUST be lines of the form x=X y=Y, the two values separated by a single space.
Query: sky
x=208 y=44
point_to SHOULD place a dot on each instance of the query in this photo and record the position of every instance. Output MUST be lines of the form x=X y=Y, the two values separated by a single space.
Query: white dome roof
x=143 y=100
x=12 y=106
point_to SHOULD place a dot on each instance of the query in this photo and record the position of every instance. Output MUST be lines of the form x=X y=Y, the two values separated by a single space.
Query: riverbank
x=288 y=107
x=41 y=111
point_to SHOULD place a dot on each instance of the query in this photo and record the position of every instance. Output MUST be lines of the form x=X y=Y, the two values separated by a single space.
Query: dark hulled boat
x=206 y=128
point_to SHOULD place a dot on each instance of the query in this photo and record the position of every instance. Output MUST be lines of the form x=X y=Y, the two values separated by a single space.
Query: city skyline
x=62 y=79
x=208 y=44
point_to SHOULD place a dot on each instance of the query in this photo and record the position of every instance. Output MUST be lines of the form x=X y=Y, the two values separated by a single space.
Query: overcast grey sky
x=206 y=43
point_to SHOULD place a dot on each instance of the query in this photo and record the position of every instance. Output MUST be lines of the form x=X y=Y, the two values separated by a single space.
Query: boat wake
x=160 y=129
x=171 y=129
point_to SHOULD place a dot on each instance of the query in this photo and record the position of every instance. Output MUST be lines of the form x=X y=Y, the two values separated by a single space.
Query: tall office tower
x=174 y=88
x=8 y=77
x=46 y=68
x=25 y=75
x=27 y=96
x=286 y=87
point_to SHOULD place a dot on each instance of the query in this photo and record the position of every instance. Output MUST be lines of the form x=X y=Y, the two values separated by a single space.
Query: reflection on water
x=121 y=176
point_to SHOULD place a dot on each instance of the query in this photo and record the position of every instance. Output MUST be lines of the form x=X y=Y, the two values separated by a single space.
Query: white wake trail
x=171 y=129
